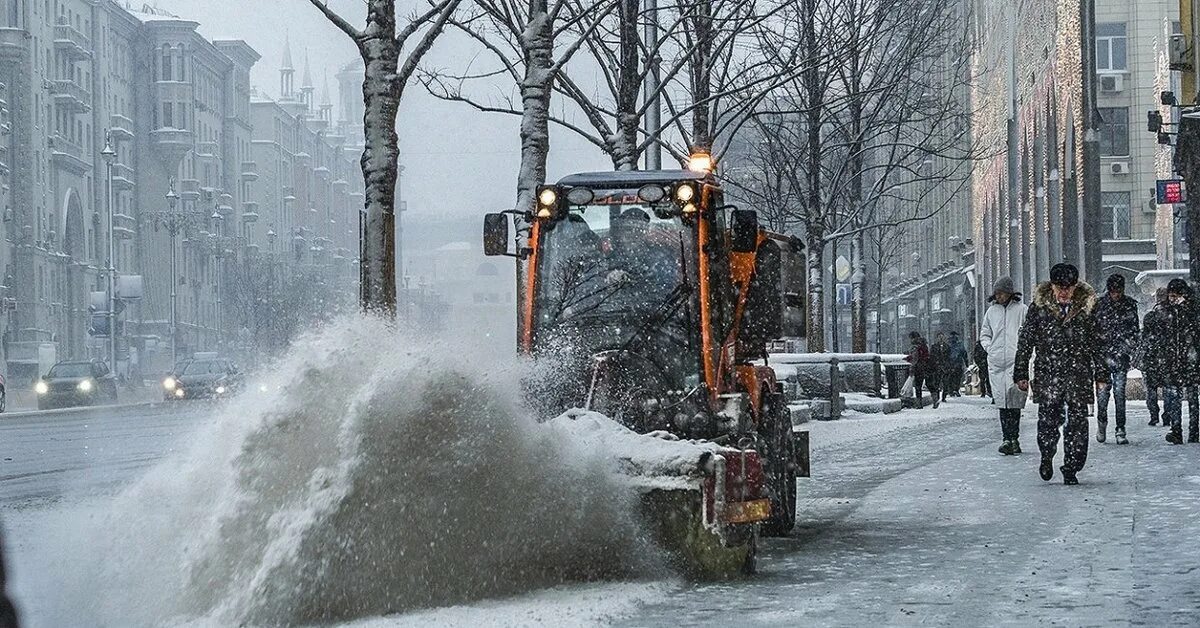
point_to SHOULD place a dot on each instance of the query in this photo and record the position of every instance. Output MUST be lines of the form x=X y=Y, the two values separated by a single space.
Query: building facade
x=102 y=105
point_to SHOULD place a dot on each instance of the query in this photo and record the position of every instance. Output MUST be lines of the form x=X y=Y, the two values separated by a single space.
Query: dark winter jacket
x=1175 y=347
x=1118 y=321
x=918 y=357
x=958 y=356
x=1068 y=358
x=981 y=358
x=8 y=614
x=1151 y=360
x=939 y=355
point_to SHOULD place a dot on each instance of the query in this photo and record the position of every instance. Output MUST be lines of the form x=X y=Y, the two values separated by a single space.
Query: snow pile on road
x=376 y=478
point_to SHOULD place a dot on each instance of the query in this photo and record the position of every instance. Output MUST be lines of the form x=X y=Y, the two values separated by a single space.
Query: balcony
x=14 y=41
x=173 y=143
x=124 y=226
x=303 y=158
x=72 y=42
x=249 y=171
x=121 y=127
x=189 y=190
x=68 y=155
x=322 y=172
x=72 y=95
x=123 y=177
x=249 y=211
x=207 y=150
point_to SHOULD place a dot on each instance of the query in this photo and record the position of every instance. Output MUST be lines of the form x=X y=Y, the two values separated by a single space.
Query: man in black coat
x=1176 y=352
x=1117 y=316
x=1150 y=361
x=939 y=354
x=1061 y=328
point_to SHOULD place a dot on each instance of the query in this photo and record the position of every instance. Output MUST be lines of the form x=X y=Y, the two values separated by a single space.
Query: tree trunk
x=701 y=75
x=535 y=100
x=380 y=96
x=814 y=244
x=628 y=122
x=858 y=309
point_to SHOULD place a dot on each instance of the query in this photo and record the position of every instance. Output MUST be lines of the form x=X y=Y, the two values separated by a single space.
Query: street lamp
x=110 y=157
x=219 y=254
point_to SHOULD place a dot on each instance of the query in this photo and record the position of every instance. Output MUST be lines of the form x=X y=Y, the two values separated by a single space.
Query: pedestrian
x=923 y=373
x=1177 y=355
x=998 y=337
x=1061 y=328
x=958 y=365
x=1150 y=359
x=940 y=355
x=8 y=613
x=1117 y=318
x=981 y=366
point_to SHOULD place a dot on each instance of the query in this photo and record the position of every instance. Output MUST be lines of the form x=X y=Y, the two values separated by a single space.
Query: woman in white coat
x=1001 y=327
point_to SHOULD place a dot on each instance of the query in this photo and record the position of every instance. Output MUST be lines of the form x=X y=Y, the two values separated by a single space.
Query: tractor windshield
x=619 y=277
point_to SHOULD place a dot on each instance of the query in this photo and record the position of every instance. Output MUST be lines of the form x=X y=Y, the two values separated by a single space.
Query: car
x=203 y=378
x=3 y=394
x=76 y=383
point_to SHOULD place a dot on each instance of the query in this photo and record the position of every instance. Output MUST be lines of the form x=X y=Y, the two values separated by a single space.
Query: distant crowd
x=1082 y=347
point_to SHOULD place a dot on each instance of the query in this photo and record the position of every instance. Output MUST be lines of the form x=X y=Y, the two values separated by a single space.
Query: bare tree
x=520 y=36
x=389 y=63
x=880 y=125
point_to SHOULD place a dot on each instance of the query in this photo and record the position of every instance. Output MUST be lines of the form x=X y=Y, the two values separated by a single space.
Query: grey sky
x=457 y=161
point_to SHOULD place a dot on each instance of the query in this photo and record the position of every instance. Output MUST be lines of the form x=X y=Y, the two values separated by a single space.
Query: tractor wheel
x=779 y=454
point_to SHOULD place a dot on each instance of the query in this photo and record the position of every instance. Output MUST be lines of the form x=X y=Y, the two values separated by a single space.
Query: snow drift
x=376 y=477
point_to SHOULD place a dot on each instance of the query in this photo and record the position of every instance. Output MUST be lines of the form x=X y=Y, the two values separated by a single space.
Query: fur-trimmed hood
x=1083 y=301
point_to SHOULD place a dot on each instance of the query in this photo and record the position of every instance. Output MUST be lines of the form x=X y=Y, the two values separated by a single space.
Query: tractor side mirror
x=744 y=231
x=495 y=234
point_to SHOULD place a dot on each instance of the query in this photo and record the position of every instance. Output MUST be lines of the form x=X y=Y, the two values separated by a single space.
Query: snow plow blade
x=702 y=502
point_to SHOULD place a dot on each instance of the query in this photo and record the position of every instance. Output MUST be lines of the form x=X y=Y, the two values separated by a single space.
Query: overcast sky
x=457 y=161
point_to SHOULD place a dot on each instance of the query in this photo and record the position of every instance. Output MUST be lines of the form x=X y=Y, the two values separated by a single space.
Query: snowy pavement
x=910 y=519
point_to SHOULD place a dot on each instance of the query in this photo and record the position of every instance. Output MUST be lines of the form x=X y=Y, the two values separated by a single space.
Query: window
x=1114 y=131
x=168 y=117
x=1115 y=216
x=1111 y=47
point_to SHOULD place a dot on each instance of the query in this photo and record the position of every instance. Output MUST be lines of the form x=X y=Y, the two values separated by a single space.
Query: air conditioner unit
x=1180 y=54
x=1120 y=167
x=1112 y=83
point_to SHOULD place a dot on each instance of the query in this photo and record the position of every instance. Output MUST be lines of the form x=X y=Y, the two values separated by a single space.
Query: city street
x=909 y=519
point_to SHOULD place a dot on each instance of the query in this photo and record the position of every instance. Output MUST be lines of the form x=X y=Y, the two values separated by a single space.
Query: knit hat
x=1064 y=275
x=1178 y=286
x=1115 y=282
x=1004 y=284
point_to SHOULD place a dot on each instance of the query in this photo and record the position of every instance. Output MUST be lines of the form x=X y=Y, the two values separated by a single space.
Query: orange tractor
x=646 y=298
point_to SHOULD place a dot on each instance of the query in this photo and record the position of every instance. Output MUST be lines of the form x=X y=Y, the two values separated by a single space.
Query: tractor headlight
x=689 y=208
x=169 y=383
x=220 y=390
x=85 y=385
x=179 y=392
x=547 y=197
x=685 y=193
x=41 y=388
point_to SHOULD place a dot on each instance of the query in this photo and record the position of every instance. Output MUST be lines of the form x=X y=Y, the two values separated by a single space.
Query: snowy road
x=52 y=455
x=912 y=519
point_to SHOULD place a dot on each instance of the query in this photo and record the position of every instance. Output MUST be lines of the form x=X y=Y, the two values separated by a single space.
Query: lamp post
x=219 y=254
x=110 y=156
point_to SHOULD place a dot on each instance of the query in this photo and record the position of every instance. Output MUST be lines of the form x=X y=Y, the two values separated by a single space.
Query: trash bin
x=895 y=374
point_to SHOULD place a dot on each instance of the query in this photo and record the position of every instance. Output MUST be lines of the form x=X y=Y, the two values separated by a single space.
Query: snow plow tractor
x=645 y=298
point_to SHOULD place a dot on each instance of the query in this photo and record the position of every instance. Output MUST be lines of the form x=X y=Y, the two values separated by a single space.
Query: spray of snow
x=378 y=476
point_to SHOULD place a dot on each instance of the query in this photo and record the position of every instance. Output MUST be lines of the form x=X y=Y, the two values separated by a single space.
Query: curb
x=80 y=410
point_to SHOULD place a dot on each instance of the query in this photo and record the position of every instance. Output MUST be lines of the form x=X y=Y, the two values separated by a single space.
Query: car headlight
x=170 y=383
x=41 y=388
x=220 y=390
x=85 y=385
x=178 y=392
x=263 y=388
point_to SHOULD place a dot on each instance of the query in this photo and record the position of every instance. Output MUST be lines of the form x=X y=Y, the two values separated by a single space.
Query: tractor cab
x=643 y=295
